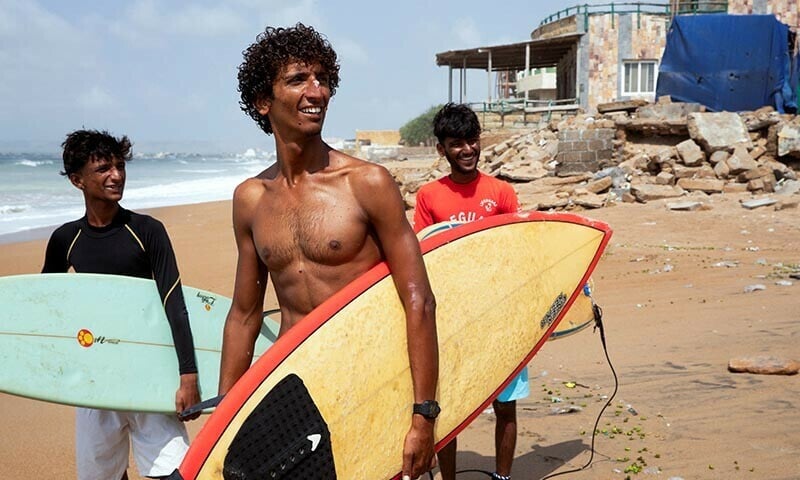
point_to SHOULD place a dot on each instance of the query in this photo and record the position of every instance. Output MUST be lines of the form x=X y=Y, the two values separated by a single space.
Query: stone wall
x=564 y=26
x=584 y=150
x=603 y=66
x=787 y=11
x=614 y=39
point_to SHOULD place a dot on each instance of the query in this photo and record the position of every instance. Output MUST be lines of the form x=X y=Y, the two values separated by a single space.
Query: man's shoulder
x=68 y=229
x=359 y=170
x=142 y=221
x=431 y=186
x=342 y=160
x=251 y=189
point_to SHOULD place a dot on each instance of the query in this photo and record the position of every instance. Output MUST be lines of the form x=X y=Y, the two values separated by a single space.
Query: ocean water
x=34 y=195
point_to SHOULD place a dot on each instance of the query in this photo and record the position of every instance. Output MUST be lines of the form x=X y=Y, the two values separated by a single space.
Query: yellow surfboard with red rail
x=332 y=398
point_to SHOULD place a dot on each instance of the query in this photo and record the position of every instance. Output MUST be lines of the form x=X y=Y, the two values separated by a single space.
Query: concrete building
x=601 y=53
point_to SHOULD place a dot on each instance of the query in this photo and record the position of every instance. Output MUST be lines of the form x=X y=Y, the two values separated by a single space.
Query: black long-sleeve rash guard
x=134 y=245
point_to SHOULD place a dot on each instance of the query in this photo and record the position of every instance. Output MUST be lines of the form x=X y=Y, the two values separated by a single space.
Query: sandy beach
x=672 y=287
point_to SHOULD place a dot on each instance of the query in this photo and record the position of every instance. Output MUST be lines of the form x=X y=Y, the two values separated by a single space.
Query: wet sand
x=672 y=287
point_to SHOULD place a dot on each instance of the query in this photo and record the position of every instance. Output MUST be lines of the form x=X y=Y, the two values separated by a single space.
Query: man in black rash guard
x=112 y=240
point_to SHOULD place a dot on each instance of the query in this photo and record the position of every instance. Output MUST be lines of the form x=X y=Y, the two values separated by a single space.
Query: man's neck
x=459 y=177
x=101 y=214
x=301 y=156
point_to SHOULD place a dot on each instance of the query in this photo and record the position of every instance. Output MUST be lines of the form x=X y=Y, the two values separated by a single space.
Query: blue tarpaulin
x=729 y=62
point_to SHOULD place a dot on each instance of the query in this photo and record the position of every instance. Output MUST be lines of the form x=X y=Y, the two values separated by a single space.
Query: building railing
x=507 y=106
x=510 y=105
x=691 y=7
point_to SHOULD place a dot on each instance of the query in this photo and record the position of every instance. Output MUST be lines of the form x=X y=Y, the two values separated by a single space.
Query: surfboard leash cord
x=598 y=325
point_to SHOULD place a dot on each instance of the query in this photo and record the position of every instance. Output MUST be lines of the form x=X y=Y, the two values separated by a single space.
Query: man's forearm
x=423 y=353
x=237 y=354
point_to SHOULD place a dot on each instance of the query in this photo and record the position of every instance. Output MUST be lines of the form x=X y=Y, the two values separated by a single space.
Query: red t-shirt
x=444 y=200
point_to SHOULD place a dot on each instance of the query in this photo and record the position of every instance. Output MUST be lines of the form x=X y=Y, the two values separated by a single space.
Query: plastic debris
x=755 y=287
x=567 y=409
x=726 y=263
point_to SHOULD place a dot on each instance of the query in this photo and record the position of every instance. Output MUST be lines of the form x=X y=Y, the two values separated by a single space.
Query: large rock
x=645 y=192
x=765 y=365
x=718 y=131
x=600 y=185
x=690 y=153
x=522 y=173
x=759 y=119
x=589 y=200
x=740 y=161
x=706 y=185
x=669 y=111
x=789 y=139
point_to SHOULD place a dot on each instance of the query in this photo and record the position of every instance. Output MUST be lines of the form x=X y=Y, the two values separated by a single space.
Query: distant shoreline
x=43 y=233
x=29 y=235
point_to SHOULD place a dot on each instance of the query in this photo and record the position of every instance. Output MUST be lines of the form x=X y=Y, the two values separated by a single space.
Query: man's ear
x=76 y=180
x=440 y=149
x=263 y=105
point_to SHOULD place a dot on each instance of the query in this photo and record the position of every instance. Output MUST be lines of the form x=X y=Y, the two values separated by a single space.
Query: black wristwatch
x=428 y=409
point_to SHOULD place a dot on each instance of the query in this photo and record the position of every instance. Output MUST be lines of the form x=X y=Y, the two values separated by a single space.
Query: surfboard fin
x=285 y=436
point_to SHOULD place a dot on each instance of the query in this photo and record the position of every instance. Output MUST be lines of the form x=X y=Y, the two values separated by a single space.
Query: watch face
x=428 y=408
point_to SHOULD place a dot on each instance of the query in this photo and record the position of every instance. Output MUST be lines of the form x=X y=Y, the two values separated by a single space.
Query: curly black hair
x=275 y=48
x=456 y=120
x=81 y=146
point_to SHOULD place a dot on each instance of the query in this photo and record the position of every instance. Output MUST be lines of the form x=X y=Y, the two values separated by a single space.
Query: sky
x=164 y=72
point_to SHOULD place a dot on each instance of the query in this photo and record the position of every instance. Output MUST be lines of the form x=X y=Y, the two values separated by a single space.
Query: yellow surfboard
x=579 y=316
x=332 y=397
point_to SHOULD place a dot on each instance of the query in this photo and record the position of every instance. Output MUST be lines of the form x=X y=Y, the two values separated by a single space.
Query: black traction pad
x=285 y=436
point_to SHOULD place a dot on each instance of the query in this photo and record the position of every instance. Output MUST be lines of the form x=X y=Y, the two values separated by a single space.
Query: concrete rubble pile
x=639 y=153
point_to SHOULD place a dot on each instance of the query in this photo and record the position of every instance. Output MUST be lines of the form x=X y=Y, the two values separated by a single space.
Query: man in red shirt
x=467 y=194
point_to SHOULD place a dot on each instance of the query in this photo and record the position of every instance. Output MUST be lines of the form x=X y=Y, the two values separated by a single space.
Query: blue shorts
x=517 y=389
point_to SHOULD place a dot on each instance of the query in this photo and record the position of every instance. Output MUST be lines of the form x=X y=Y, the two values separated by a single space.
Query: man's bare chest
x=331 y=232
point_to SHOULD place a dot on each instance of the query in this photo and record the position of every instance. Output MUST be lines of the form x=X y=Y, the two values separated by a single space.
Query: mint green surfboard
x=103 y=341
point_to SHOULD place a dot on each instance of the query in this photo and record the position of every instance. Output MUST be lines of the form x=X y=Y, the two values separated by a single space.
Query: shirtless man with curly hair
x=318 y=218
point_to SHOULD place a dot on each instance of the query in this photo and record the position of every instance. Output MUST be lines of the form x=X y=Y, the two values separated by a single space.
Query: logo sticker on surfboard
x=207 y=300
x=85 y=338
x=553 y=311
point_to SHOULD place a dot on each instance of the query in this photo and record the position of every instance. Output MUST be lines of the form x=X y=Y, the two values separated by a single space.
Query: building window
x=639 y=78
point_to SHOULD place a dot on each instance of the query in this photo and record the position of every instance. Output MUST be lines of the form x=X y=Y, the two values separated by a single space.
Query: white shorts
x=102 y=447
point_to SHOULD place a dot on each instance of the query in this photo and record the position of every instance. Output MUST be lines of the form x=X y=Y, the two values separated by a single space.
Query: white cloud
x=96 y=98
x=146 y=21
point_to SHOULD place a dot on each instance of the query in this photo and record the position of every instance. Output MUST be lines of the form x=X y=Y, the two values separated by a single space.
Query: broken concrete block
x=665 y=178
x=646 y=192
x=690 y=153
x=721 y=169
x=706 y=185
x=789 y=139
x=590 y=200
x=685 y=206
x=757 y=172
x=759 y=202
x=600 y=185
x=740 y=161
x=718 y=131
x=718 y=156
